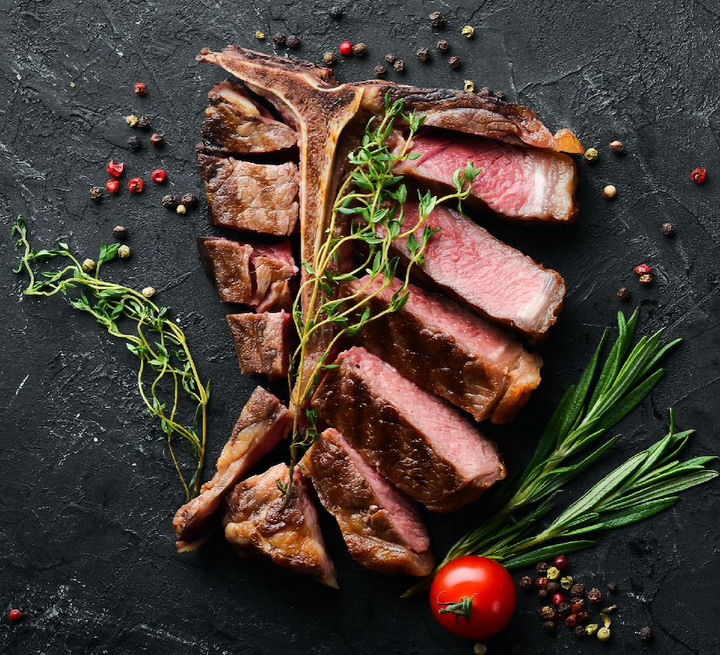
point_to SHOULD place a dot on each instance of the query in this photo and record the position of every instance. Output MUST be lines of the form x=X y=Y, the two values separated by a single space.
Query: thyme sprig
x=159 y=343
x=372 y=197
x=644 y=485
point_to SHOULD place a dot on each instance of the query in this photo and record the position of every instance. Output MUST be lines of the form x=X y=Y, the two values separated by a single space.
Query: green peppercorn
x=468 y=86
x=95 y=193
x=124 y=252
x=88 y=265
x=591 y=154
x=566 y=582
x=553 y=573
x=131 y=120
x=181 y=209
x=591 y=629
x=603 y=634
x=468 y=31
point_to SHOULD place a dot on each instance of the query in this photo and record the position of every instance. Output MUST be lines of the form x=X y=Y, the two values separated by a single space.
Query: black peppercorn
x=95 y=193
x=500 y=95
x=380 y=71
x=390 y=58
x=594 y=595
x=143 y=123
x=292 y=42
x=623 y=293
x=279 y=38
x=553 y=586
x=577 y=589
x=583 y=616
x=423 y=54
x=646 y=633
x=485 y=91
x=548 y=626
x=525 y=582
x=169 y=201
x=134 y=143
x=436 y=19
x=443 y=45
x=157 y=139
x=547 y=613
x=541 y=567
x=618 y=147
x=359 y=50
x=189 y=199
x=579 y=631
x=454 y=62
x=668 y=229
x=564 y=608
x=399 y=66
x=120 y=232
x=542 y=593
x=611 y=586
x=335 y=12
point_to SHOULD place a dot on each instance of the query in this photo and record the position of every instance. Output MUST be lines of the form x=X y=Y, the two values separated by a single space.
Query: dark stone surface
x=87 y=495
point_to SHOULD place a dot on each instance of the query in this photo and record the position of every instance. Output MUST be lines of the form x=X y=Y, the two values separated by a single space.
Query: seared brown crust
x=262 y=342
x=228 y=264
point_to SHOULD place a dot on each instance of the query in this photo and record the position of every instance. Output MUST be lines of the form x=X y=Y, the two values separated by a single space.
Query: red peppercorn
x=561 y=562
x=115 y=168
x=346 y=48
x=642 y=269
x=112 y=186
x=140 y=88
x=578 y=606
x=571 y=620
x=698 y=175
x=135 y=185
x=158 y=176
x=14 y=616
x=557 y=599
x=541 y=582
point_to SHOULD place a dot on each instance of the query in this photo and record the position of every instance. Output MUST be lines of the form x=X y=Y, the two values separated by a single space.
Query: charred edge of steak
x=263 y=342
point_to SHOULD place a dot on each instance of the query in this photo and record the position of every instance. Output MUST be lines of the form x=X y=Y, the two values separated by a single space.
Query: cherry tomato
x=473 y=597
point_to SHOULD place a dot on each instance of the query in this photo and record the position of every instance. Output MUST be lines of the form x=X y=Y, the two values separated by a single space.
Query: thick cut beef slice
x=273 y=267
x=237 y=125
x=262 y=424
x=416 y=440
x=381 y=527
x=262 y=342
x=516 y=182
x=228 y=264
x=447 y=349
x=258 y=522
x=254 y=197
x=487 y=275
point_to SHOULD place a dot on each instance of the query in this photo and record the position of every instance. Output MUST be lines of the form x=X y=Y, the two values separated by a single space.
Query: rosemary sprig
x=373 y=198
x=159 y=343
x=643 y=486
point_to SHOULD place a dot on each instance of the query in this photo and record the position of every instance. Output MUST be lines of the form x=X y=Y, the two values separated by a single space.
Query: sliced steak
x=257 y=522
x=516 y=182
x=416 y=440
x=262 y=424
x=448 y=350
x=381 y=527
x=228 y=264
x=490 y=277
x=253 y=197
x=274 y=269
x=237 y=125
x=263 y=342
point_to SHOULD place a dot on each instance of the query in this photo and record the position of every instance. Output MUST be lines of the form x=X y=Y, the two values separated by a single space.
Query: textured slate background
x=87 y=496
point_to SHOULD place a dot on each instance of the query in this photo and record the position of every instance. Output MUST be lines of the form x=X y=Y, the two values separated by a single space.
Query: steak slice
x=448 y=350
x=381 y=527
x=237 y=125
x=262 y=424
x=274 y=268
x=516 y=182
x=228 y=264
x=417 y=441
x=247 y=196
x=257 y=522
x=487 y=275
x=263 y=342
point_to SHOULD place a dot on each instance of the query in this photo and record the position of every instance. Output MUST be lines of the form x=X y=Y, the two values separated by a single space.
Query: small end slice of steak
x=262 y=424
x=263 y=342
x=447 y=349
x=236 y=124
x=517 y=182
x=258 y=523
x=381 y=526
x=416 y=440
x=252 y=197
x=273 y=268
x=492 y=278
x=228 y=264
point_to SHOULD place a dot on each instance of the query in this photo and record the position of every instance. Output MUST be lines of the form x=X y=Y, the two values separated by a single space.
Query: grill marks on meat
x=262 y=424
x=237 y=125
x=519 y=183
x=449 y=350
x=487 y=275
x=414 y=439
x=263 y=342
x=257 y=523
x=381 y=527
x=253 y=197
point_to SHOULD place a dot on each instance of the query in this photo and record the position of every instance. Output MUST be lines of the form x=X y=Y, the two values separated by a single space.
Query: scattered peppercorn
x=443 y=45
x=541 y=582
x=359 y=50
x=698 y=175
x=566 y=582
x=134 y=143
x=335 y=12
x=485 y=91
x=158 y=176
x=525 y=582
x=577 y=589
x=609 y=609
x=553 y=586
x=131 y=120
x=390 y=57
x=292 y=41
x=120 y=232
x=260 y=36
x=668 y=229
x=423 y=54
x=468 y=31
x=88 y=265
x=436 y=19
x=468 y=86
x=641 y=269
x=181 y=209
x=143 y=123
x=329 y=58
x=148 y=292
x=480 y=649
x=157 y=139
x=553 y=573
x=112 y=186
x=346 y=48
x=595 y=595
x=617 y=147
x=399 y=66
x=591 y=629
x=579 y=631
x=611 y=586
x=591 y=154
x=124 y=252
x=548 y=626
x=577 y=605
x=571 y=620
x=14 y=616
x=279 y=38
x=541 y=567
x=547 y=612
x=140 y=88
x=189 y=200
x=583 y=615
x=380 y=71
x=646 y=279
x=169 y=201
x=623 y=293
x=603 y=634
x=610 y=191
x=115 y=168
x=646 y=633
x=542 y=593
x=95 y=193
x=564 y=608
x=135 y=185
